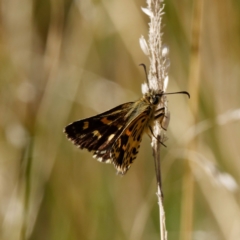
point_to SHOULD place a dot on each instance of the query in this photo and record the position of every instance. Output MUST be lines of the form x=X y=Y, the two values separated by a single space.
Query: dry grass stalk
x=158 y=79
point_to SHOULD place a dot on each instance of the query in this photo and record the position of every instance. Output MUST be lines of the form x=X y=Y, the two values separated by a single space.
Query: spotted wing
x=98 y=133
x=126 y=147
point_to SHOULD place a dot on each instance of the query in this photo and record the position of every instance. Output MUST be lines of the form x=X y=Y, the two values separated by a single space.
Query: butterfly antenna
x=182 y=92
x=145 y=70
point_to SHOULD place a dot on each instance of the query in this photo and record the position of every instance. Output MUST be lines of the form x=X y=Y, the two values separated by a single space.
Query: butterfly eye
x=155 y=100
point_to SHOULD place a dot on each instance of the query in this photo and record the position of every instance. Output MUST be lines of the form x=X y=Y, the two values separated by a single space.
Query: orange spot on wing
x=86 y=125
x=128 y=132
x=106 y=121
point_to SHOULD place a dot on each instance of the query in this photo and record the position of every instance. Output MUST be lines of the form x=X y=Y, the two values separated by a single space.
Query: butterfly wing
x=126 y=146
x=99 y=132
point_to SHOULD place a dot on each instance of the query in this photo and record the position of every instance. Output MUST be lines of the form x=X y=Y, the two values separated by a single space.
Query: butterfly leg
x=165 y=117
x=155 y=136
x=159 y=112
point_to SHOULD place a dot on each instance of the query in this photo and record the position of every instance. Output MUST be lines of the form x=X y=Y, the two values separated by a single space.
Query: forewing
x=99 y=132
x=126 y=146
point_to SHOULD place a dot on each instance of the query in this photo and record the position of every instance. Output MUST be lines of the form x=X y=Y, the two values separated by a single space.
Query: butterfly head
x=153 y=98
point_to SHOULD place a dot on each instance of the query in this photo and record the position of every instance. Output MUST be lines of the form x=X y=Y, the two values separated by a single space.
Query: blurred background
x=63 y=60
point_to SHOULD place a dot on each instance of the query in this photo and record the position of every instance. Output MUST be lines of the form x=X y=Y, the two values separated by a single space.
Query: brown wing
x=126 y=147
x=99 y=132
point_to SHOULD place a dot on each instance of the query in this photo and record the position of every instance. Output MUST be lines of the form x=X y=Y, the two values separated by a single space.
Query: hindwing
x=126 y=146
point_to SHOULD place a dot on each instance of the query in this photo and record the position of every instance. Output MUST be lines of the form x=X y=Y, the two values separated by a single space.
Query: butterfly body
x=115 y=135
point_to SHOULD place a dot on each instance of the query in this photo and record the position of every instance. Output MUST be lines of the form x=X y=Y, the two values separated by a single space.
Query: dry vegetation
x=63 y=60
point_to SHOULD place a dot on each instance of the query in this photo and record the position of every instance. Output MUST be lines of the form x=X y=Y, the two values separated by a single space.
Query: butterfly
x=114 y=136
